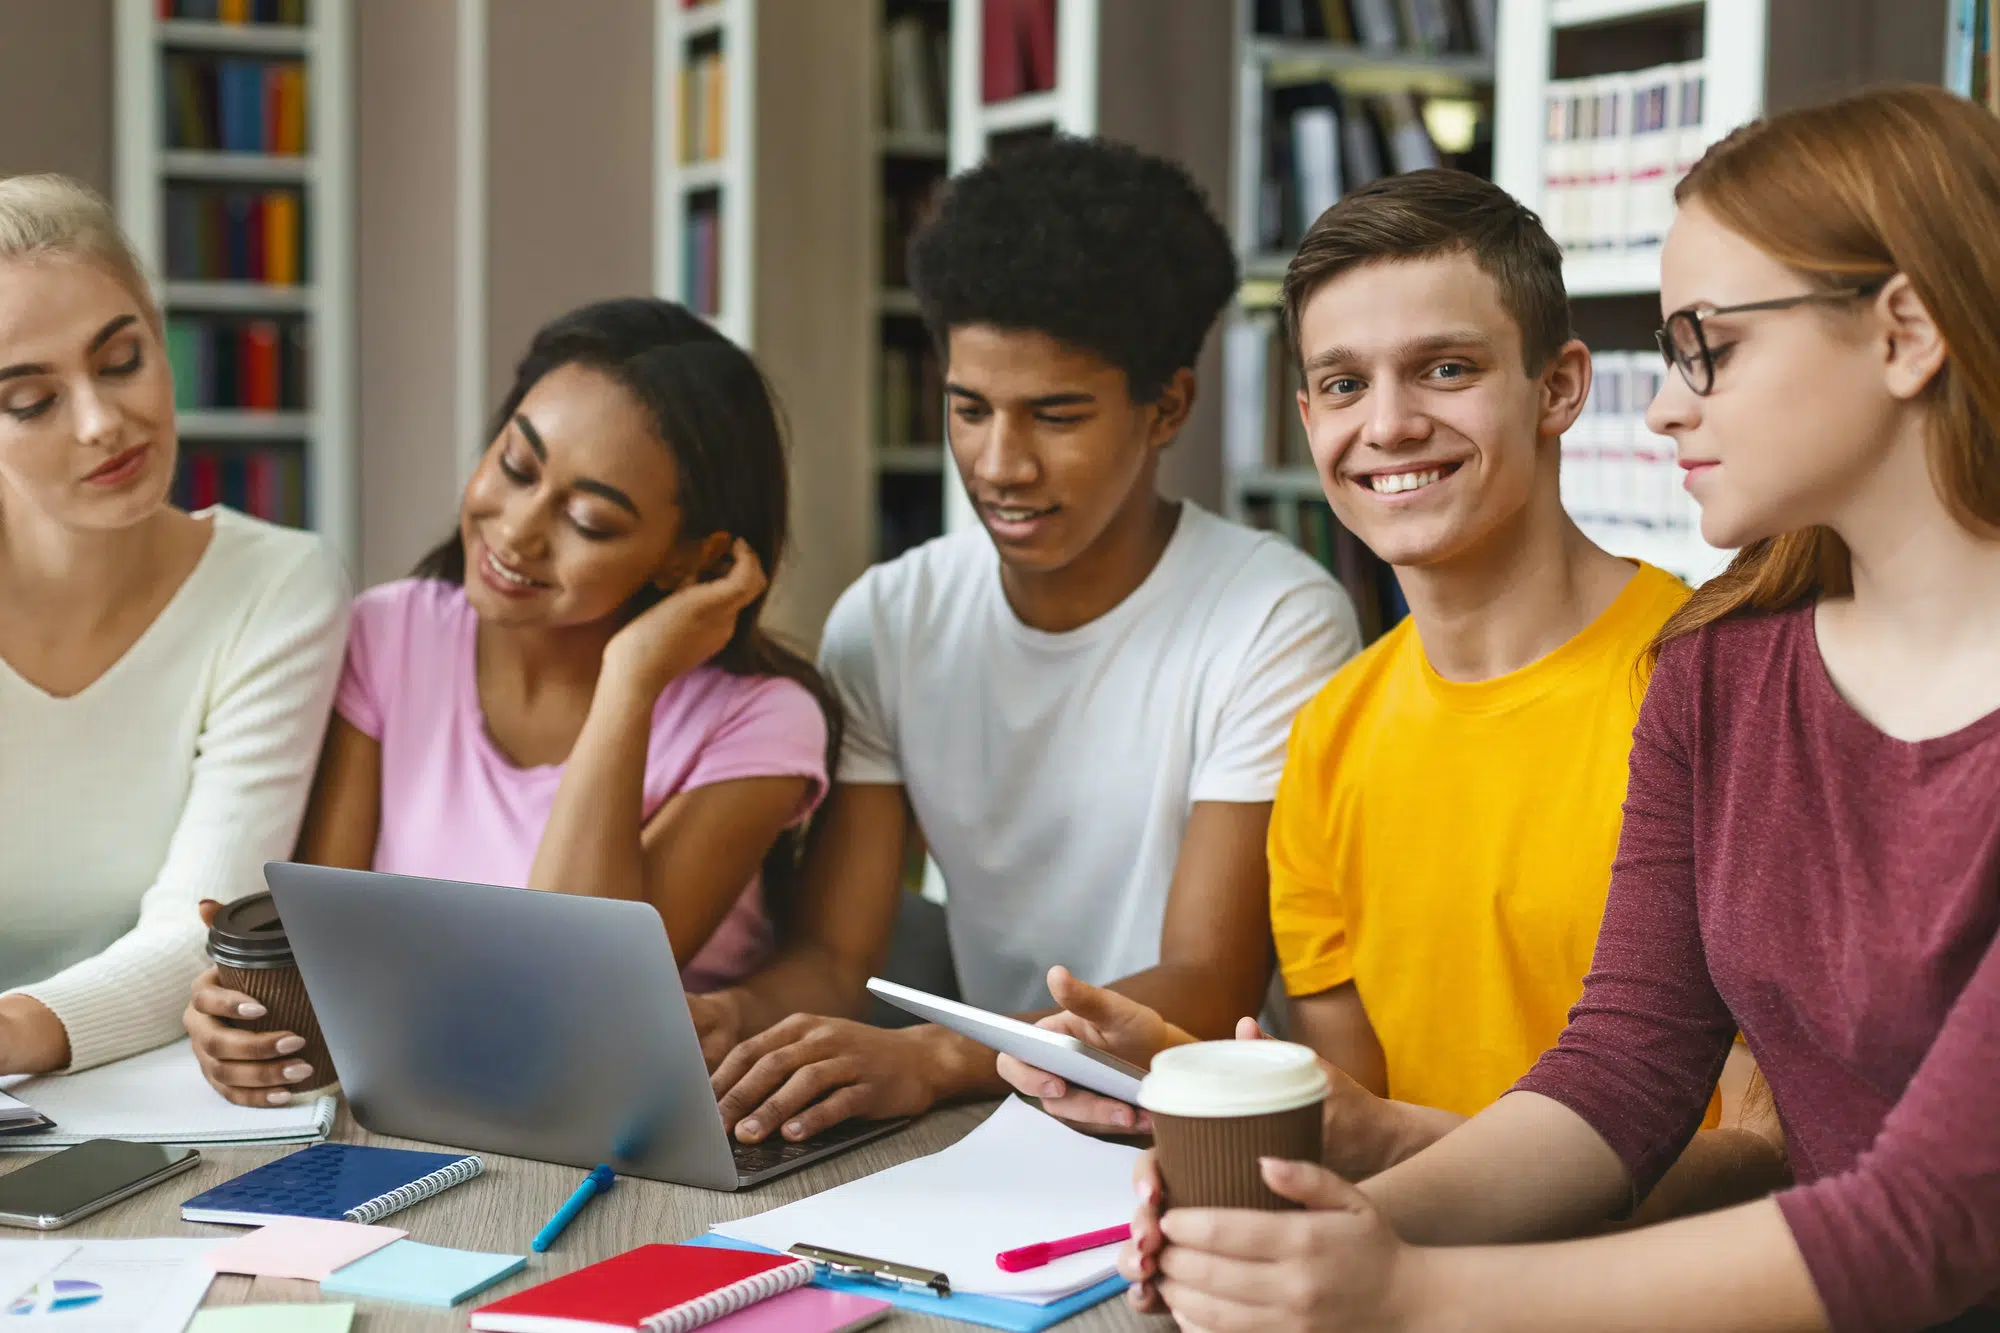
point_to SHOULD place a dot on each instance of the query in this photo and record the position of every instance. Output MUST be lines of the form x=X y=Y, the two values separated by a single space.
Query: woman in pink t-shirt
x=573 y=693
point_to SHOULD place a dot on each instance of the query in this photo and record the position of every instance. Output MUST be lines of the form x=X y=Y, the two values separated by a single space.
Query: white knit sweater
x=171 y=778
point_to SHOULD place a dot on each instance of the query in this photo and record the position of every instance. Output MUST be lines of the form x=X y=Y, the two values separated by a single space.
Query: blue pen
x=593 y=1185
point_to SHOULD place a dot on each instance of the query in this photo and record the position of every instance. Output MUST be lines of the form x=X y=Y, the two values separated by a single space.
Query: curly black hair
x=1094 y=243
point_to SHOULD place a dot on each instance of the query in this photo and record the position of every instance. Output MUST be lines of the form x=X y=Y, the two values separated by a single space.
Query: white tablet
x=1061 y=1055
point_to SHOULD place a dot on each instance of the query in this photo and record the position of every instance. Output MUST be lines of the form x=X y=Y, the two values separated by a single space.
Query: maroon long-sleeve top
x=1787 y=869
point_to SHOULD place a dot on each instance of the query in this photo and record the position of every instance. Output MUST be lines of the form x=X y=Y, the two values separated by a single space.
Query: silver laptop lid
x=539 y=1025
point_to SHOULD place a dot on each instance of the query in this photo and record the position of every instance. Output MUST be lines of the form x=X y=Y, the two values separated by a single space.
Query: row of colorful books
x=267 y=482
x=1431 y=27
x=704 y=106
x=234 y=105
x=701 y=256
x=226 y=361
x=285 y=13
x=912 y=400
x=1614 y=469
x=230 y=233
x=1614 y=146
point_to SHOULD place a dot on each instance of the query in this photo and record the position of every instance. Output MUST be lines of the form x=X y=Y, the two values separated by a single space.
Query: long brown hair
x=1895 y=180
x=717 y=416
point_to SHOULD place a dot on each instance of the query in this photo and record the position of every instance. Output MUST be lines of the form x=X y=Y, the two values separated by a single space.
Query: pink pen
x=1034 y=1256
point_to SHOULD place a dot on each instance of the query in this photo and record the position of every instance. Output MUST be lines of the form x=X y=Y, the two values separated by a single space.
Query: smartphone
x=79 y=1181
x=1059 y=1054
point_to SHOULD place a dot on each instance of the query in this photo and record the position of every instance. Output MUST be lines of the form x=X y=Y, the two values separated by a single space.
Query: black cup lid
x=248 y=933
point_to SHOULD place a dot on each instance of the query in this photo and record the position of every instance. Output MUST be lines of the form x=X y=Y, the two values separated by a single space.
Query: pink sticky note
x=302 y=1247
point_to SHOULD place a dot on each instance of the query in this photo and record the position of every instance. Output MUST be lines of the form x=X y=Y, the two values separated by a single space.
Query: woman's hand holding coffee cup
x=1336 y=1265
x=1110 y=1022
x=250 y=1068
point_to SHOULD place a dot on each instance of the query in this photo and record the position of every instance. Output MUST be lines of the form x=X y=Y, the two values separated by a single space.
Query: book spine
x=383 y=1205
x=728 y=1300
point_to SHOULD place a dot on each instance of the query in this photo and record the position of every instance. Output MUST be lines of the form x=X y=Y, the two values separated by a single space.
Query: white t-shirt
x=171 y=778
x=1053 y=774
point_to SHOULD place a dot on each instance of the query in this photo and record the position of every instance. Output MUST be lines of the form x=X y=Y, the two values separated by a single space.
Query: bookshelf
x=1046 y=84
x=234 y=179
x=1329 y=95
x=906 y=384
x=1578 y=140
x=770 y=144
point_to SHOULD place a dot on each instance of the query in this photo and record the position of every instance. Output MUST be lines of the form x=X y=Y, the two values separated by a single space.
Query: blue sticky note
x=422 y=1274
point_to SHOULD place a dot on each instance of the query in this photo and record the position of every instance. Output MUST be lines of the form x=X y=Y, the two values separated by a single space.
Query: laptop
x=539 y=1025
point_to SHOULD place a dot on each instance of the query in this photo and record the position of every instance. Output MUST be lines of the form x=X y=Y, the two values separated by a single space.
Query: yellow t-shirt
x=1447 y=846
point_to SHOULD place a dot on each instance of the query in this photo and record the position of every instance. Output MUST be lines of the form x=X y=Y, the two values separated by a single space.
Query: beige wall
x=1166 y=86
x=569 y=162
x=406 y=163
x=55 y=89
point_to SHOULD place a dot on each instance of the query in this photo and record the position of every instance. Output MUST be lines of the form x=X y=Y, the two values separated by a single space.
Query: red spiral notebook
x=653 y=1289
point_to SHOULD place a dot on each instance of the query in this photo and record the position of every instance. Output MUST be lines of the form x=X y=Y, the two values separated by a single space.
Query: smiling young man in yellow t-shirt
x=1444 y=828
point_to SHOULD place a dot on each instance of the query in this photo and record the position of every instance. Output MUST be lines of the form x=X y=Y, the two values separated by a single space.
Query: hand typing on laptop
x=807 y=1073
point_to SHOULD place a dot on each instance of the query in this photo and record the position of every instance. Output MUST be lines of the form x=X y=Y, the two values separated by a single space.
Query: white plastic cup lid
x=1214 y=1079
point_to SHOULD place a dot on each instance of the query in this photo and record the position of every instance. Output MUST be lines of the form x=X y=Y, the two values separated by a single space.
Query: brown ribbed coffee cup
x=1220 y=1106
x=251 y=954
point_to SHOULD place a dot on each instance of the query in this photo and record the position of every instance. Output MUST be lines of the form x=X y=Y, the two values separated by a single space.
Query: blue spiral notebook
x=336 y=1182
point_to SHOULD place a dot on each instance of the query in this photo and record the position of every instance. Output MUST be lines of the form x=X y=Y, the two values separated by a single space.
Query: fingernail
x=1149 y=1192
x=794 y=1129
x=251 y=1009
x=1052 y=1089
x=749 y=1129
x=279 y=1098
x=288 y=1045
x=293 y=1073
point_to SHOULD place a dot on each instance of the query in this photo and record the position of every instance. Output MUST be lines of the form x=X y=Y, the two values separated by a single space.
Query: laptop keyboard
x=776 y=1151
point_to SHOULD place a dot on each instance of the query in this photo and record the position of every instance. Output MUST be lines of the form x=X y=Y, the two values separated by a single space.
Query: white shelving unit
x=1068 y=108
x=731 y=176
x=1734 y=37
x=325 y=298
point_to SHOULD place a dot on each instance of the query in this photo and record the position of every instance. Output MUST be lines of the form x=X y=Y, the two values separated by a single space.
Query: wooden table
x=502 y=1209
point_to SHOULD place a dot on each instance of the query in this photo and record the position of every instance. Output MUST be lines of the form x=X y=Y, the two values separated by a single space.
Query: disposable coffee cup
x=1219 y=1106
x=251 y=954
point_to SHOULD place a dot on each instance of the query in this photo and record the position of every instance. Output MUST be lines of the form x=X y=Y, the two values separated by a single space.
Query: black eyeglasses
x=1685 y=346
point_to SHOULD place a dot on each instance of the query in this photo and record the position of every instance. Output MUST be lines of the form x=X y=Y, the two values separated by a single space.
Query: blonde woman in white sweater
x=164 y=677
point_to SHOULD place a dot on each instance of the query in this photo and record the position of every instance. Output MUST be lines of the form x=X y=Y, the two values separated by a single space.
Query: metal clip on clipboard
x=874 y=1270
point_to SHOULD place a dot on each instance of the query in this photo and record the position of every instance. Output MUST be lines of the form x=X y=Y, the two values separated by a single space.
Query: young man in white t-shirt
x=1079 y=708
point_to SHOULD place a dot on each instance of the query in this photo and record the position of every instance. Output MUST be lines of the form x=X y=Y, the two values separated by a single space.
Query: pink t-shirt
x=454 y=807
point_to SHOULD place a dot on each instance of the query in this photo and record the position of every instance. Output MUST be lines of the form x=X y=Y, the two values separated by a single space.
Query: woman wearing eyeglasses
x=1811 y=844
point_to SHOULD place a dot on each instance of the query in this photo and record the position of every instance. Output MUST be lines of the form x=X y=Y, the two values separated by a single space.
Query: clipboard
x=992 y=1311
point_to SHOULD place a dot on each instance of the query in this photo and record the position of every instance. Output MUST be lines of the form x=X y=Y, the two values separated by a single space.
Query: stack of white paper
x=157 y=1097
x=1018 y=1179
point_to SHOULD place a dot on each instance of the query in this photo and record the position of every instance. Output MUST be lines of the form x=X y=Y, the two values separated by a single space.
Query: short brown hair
x=1438 y=212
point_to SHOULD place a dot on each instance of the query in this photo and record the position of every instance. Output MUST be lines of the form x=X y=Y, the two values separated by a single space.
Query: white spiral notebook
x=157 y=1097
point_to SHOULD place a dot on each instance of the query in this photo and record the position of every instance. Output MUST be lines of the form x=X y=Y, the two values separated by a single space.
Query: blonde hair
x=54 y=215
x=1897 y=180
